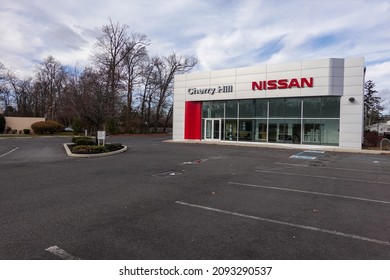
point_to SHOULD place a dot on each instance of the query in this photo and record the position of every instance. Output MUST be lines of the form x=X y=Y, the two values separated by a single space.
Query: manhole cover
x=167 y=174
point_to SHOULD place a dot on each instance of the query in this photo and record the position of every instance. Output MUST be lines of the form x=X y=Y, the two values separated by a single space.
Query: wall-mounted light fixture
x=352 y=99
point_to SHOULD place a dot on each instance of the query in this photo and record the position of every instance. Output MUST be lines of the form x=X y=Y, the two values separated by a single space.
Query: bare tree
x=23 y=96
x=111 y=50
x=166 y=68
x=90 y=98
x=147 y=92
x=5 y=92
x=50 y=79
x=135 y=54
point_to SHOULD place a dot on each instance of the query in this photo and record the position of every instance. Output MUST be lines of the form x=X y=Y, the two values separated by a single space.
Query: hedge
x=47 y=127
x=85 y=142
x=94 y=149
x=77 y=138
x=88 y=149
x=2 y=123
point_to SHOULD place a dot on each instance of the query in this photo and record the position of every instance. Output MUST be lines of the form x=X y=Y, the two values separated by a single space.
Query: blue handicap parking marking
x=308 y=154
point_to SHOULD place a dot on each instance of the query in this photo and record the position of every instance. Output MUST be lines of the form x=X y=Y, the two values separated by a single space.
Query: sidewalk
x=285 y=146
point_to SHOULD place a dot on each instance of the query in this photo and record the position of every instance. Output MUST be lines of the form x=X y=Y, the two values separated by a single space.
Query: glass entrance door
x=212 y=129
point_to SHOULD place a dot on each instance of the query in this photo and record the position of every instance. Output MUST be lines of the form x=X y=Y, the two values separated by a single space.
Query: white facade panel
x=201 y=83
x=292 y=66
x=251 y=94
x=243 y=87
x=251 y=78
x=351 y=111
x=251 y=70
x=354 y=71
x=337 y=81
x=222 y=81
x=354 y=91
x=179 y=104
x=321 y=82
x=337 y=72
x=223 y=96
x=353 y=81
x=179 y=84
x=318 y=63
x=284 y=75
x=319 y=91
x=223 y=73
x=337 y=90
x=352 y=119
x=179 y=78
x=353 y=62
x=197 y=97
x=197 y=76
x=348 y=139
x=278 y=93
x=316 y=72
x=180 y=98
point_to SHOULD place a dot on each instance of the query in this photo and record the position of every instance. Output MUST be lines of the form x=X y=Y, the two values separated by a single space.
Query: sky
x=220 y=33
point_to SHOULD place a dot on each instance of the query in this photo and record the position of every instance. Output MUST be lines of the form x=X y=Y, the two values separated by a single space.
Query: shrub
x=75 y=138
x=2 y=123
x=85 y=142
x=8 y=130
x=371 y=139
x=14 y=131
x=26 y=131
x=46 y=127
x=112 y=126
x=77 y=126
x=113 y=147
x=87 y=149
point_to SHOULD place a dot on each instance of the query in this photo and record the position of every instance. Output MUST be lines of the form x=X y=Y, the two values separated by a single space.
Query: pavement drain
x=309 y=154
x=195 y=162
x=167 y=174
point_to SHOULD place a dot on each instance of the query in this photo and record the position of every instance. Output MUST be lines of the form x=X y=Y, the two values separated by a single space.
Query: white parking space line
x=316 y=229
x=61 y=253
x=332 y=168
x=3 y=155
x=310 y=192
x=323 y=177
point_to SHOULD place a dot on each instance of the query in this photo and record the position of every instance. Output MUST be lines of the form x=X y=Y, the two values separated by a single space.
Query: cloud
x=379 y=73
x=32 y=32
x=221 y=33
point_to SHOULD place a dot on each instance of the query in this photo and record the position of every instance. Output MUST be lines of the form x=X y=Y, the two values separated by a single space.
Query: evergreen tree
x=372 y=106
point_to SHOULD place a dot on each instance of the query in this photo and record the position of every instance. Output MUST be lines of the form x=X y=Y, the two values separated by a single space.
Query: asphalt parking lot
x=163 y=200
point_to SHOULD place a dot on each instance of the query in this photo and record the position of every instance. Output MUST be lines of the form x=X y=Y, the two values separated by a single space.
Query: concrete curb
x=284 y=146
x=70 y=154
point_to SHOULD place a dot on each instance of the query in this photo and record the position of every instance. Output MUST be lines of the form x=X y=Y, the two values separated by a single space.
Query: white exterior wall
x=332 y=76
x=178 y=107
x=351 y=113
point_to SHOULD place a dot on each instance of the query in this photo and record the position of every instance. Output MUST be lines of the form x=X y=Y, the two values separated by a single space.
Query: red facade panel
x=193 y=120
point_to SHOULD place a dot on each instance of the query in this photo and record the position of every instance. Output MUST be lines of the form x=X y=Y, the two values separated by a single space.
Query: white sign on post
x=101 y=135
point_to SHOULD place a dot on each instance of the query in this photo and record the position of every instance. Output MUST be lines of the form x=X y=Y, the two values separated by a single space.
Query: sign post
x=101 y=136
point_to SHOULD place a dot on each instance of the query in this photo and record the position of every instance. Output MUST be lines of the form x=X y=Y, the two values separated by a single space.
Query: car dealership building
x=314 y=102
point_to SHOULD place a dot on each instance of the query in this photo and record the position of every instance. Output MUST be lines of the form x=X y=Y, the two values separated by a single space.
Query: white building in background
x=381 y=128
x=316 y=102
